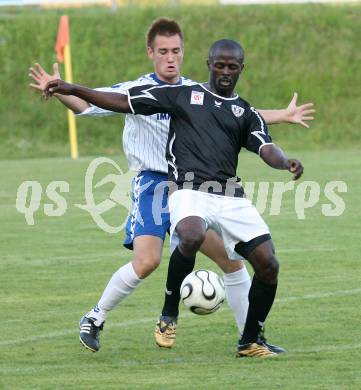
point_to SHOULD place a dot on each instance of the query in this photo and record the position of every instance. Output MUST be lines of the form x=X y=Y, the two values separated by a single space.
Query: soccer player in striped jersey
x=144 y=142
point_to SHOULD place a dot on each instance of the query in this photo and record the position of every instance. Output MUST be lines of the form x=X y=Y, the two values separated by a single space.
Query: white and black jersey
x=207 y=131
x=144 y=137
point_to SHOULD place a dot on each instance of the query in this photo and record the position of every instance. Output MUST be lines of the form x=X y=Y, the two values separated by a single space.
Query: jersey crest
x=237 y=110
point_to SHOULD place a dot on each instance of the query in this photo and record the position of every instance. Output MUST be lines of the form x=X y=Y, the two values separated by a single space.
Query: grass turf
x=54 y=271
x=309 y=48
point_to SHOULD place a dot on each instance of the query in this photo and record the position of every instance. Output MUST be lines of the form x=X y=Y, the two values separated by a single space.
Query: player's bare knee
x=152 y=262
x=229 y=266
x=145 y=265
x=191 y=241
x=269 y=272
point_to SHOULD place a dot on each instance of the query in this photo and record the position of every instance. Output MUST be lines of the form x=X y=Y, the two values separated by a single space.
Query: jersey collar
x=218 y=96
x=161 y=82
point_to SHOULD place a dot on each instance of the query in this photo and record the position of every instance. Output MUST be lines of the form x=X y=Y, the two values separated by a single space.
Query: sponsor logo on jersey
x=197 y=98
x=237 y=110
x=163 y=116
x=217 y=104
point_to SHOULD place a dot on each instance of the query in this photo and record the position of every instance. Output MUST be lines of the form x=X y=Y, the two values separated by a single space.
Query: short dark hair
x=165 y=27
x=226 y=44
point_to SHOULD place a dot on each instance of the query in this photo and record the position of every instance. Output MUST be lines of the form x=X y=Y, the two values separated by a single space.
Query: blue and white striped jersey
x=144 y=137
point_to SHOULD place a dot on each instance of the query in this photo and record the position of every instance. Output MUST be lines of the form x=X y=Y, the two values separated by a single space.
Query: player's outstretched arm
x=276 y=158
x=108 y=100
x=41 y=78
x=292 y=114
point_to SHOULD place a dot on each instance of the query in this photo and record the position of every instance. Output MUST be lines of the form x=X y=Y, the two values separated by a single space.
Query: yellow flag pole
x=71 y=117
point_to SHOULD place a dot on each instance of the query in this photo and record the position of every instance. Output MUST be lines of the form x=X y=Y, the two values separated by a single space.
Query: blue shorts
x=149 y=214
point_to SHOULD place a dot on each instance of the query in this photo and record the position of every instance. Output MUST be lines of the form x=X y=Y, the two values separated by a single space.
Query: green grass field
x=309 y=48
x=54 y=271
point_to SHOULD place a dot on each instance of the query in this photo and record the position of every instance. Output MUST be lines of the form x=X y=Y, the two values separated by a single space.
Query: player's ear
x=208 y=65
x=150 y=52
x=242 y=67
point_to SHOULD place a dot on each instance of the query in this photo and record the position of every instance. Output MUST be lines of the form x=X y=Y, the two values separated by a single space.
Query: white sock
x=121 y=284
x=237 y=285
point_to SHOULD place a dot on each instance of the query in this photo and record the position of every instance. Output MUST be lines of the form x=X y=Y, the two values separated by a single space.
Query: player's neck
x=226 y=93
x=170 y=80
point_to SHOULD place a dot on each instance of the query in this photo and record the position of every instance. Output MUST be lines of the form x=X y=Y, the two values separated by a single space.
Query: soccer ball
x=202 y=292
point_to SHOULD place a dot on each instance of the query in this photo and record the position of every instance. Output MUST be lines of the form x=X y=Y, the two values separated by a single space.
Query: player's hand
x=295 y=167
x=41 y=78
x=58 y=86
x=299 y=114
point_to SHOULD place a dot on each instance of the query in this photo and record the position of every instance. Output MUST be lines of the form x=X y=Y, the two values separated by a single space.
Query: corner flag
x=63 y=37
x=62 y=48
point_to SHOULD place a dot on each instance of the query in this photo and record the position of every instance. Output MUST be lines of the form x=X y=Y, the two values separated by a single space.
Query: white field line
x=70 y=260
x=166 y=362
x=66 y=332
x=327 y=348
x=309 y=250
x=50 y=313
x=339 y=293
x=246 y=2
x=91 y=257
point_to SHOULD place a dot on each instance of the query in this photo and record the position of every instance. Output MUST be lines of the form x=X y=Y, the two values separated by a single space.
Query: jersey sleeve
x=257 y=131
x=148 y=100
x=97 y=111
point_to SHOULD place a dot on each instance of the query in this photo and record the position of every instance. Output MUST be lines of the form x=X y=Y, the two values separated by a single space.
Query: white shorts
x=234 y=219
